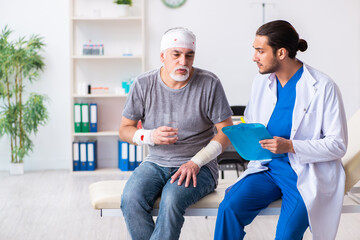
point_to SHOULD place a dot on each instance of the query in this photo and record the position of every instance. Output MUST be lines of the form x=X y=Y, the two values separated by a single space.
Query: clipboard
x=245 y=138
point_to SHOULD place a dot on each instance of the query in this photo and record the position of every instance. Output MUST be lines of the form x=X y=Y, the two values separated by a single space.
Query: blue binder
x=91 y=156
x=139 y=155
x=76 y=156
x=123 y=155
x=132 y=157
x=93 y=117
x=83 y=156
x=245 y=138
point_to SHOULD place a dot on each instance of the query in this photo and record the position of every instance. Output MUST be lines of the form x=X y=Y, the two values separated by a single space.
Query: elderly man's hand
x=165 y=135
x=186 y=172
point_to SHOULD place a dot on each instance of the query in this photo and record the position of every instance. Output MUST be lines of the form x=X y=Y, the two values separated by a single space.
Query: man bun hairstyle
x=302 y=46
x=281 y=34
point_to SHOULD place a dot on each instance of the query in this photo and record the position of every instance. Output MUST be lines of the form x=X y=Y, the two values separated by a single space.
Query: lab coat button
x=304 y=109
x=294 y=130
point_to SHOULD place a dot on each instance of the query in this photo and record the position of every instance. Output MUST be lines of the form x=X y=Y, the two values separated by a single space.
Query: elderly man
x=181 y=165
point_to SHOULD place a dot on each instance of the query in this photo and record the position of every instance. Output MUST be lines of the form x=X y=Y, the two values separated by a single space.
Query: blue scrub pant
x=255 y=192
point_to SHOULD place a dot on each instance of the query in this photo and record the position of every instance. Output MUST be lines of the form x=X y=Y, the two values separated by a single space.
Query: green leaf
x=35 y=113
x=127 y=2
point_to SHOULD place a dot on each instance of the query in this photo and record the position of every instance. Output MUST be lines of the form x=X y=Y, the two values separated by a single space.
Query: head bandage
x=178 y=37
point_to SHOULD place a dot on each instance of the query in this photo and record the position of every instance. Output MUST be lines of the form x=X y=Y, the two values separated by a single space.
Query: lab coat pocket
x=326 y=179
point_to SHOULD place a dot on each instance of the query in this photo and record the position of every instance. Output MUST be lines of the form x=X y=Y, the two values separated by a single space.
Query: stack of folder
x=85 y=117
x=84 y=156
x=130 y=156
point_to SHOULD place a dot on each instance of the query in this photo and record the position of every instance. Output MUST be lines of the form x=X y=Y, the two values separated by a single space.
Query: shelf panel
x=106 y=57
x=97 y=134
x=105 y=95
x=105 y=171
x=106 y=18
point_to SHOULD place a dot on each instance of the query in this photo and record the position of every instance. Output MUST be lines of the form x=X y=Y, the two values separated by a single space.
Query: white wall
x=49 y=19
x=225 y=34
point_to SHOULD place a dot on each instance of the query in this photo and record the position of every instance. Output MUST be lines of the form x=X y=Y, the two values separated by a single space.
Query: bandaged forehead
x=178 y=37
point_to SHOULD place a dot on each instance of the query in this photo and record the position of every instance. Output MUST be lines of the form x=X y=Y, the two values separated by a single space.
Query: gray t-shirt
x=198 y=106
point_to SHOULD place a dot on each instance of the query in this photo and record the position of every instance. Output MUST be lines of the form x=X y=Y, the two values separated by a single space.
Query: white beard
x=180 y=78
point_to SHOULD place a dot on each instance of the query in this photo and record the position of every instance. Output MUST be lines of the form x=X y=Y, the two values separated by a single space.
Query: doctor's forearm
x=322 y=150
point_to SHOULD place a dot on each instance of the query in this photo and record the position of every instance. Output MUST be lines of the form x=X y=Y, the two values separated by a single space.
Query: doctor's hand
x=186 y=172
x=278 y=145
x=165 y=135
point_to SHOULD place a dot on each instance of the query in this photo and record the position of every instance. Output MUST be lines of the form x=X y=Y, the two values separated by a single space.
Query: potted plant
x=20 y=114
x=124 y=6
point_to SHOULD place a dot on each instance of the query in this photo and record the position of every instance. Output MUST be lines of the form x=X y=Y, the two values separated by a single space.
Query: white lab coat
x=319 y=135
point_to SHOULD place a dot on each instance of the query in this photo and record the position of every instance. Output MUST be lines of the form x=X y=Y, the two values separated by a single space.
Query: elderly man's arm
x=220 y=136
x=129 y=133
x=216 y=146
x=127 y=130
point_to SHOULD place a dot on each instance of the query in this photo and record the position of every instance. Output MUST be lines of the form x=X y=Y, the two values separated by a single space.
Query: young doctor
x=302 y=108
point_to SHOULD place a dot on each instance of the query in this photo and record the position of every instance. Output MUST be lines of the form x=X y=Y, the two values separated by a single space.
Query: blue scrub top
x=281 y=119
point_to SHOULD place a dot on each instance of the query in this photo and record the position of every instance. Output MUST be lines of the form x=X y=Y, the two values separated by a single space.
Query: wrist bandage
x=208 y=153
x=142 y=137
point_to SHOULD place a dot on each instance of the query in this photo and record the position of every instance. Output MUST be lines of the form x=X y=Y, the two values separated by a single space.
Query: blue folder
x=132 y=157
x=93 y=117
x=76 y=156
x=245 y=138
x=91 y=156
x=123 y=155
x=83 y=156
